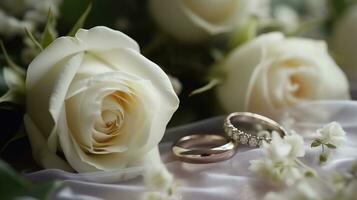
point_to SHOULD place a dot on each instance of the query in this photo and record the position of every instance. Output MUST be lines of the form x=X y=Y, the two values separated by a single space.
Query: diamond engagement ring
x=250 y=128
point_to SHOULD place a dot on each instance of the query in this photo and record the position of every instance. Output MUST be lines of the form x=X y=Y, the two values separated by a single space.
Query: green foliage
x=33 y=39
x=79 y=24
x=14 y=78
x=244 y=33
x=339 y=7
x=48 y=35
x=331 y=146
x=316 y=143
x=11 y=63
x=13 y=186
x=209 y=86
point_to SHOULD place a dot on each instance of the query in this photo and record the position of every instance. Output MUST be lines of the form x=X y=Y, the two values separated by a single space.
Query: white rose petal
x=97 y=99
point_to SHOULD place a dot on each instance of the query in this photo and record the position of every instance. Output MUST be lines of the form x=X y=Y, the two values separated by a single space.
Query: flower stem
x=299 y=162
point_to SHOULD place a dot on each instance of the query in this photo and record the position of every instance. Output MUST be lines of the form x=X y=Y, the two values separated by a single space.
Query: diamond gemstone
x=230 y=131
x=235 y=136
x=253 y=141
x=243 y=139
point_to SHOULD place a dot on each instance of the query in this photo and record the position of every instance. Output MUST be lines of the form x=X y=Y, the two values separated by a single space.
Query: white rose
x=95 y=98
x=193 y=21
x=273 y=72
x=344 y=42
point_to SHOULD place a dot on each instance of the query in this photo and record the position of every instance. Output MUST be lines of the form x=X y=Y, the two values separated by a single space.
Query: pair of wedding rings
x=240 y=128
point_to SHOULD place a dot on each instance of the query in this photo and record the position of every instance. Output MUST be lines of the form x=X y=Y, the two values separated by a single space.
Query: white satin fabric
x=226 y=180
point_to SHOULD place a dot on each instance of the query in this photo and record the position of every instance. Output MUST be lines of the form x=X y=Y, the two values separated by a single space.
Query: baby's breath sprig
x=331 y=136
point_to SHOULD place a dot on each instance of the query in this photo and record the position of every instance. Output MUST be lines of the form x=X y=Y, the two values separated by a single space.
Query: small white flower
x=301 y=191
x=158 y=178
x=275 y=172
x=154 y=196
x=279 y=163
x=333 y=133
x=277 y=149
x=291 y=146
x=297 y=145
x=159 y=196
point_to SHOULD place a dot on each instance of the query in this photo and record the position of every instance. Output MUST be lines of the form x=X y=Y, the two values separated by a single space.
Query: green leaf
x=14 y=185
x=33 y=39
x=244 y=33
x=79 y=24
x=323 y=158
x=331 y=146
x=209 y=86
x=45 y=191
x=48 y=35
x=339 y=7
x=10 y=62
x=316 y=143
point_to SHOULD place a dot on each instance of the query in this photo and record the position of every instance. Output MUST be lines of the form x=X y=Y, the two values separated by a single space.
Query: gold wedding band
x=202 y=148
x=245 y=128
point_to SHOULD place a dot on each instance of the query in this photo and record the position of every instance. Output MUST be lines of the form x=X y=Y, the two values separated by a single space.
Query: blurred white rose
x=95 y=98
x=287 y=17
x=273 y=72
x=176 y=84
x=193 y=21
x=344 y=42
x=15 y=15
